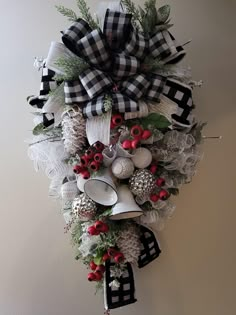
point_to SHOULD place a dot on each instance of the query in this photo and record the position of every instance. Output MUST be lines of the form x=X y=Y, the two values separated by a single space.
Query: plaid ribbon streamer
x=150 y=249
x=47 y=84
x=181 y=94
x=125 y=294
x=48 y=120
x=115 y=57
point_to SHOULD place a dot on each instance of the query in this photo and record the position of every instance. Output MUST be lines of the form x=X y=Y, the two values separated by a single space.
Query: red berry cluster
x=90 y=161
x=98 y=271
x=160 y=182
x=137 y=134
x=116 y=121
x=114 y=254
x=97 y=228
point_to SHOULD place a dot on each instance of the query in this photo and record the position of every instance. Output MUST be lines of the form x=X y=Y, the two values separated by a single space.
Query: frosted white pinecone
x=129 y=243
x=73 y=130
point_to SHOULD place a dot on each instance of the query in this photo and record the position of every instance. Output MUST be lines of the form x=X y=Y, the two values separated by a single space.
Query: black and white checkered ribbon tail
x=136 y=86
x=150 y=249
x=124 y=66
x=117 y=26
x=89 y=45
x=95 y=82
x=37 y=101
x=48 y=120
x=181 y=94
x=47 y=84
x=162 y=45
x=122 y=294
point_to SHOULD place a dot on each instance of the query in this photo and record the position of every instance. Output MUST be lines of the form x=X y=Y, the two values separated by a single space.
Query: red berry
x=94 y=166
x=136 y=131
x=160 y=182
x=98 y=146
x=92 y=231
x=134 y=143
x=85 y=174
x=126 y=145
x=119 y=257
x=154 y=197
x=112 y=126
x=105 y=228
x=92 y=276
x=84 y=160
x=90 y=153
x=101 y=268
x=92 y=265
x=105 y=257
x=117 y=120
x=111 y=252
x=98 y=225
x=98 y=157
x=77 y=169
x=153 y=169
x=98 y=276
x=163 y=194
x=146 y=134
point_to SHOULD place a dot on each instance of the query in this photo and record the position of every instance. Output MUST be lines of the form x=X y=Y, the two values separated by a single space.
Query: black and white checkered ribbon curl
x=150 y=249
x=122 y=294
x=47 y=84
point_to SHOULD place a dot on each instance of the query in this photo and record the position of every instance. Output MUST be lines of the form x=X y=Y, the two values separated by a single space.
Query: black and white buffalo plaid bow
x=115 y=57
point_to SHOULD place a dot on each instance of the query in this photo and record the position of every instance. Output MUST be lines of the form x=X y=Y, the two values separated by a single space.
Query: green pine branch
x=150 y=19
x=70 y=14
x=131 y=9
x=86 y=15
x=72 y=67
x=107 y=103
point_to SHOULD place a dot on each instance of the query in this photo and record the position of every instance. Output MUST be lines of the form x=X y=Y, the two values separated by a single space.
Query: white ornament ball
x=80 y=183
x=69 y=191
x=142 y=158
x=122 y=168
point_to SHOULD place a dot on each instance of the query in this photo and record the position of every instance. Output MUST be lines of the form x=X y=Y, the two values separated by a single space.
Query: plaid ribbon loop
x=115 y=56
x=117 y=26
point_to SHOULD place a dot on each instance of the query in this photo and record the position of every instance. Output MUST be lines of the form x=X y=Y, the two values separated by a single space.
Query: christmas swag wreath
x=116 y=134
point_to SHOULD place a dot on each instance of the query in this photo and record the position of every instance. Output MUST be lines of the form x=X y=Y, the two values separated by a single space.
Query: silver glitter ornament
x=142 y=183
x=84 y=208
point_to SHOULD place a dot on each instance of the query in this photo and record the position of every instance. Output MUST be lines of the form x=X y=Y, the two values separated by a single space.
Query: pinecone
x=73 y=130
x=142 y=182
x=83 y=207
x=129 y=243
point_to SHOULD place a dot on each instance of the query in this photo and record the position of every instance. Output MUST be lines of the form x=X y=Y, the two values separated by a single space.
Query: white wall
x=196 y=272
